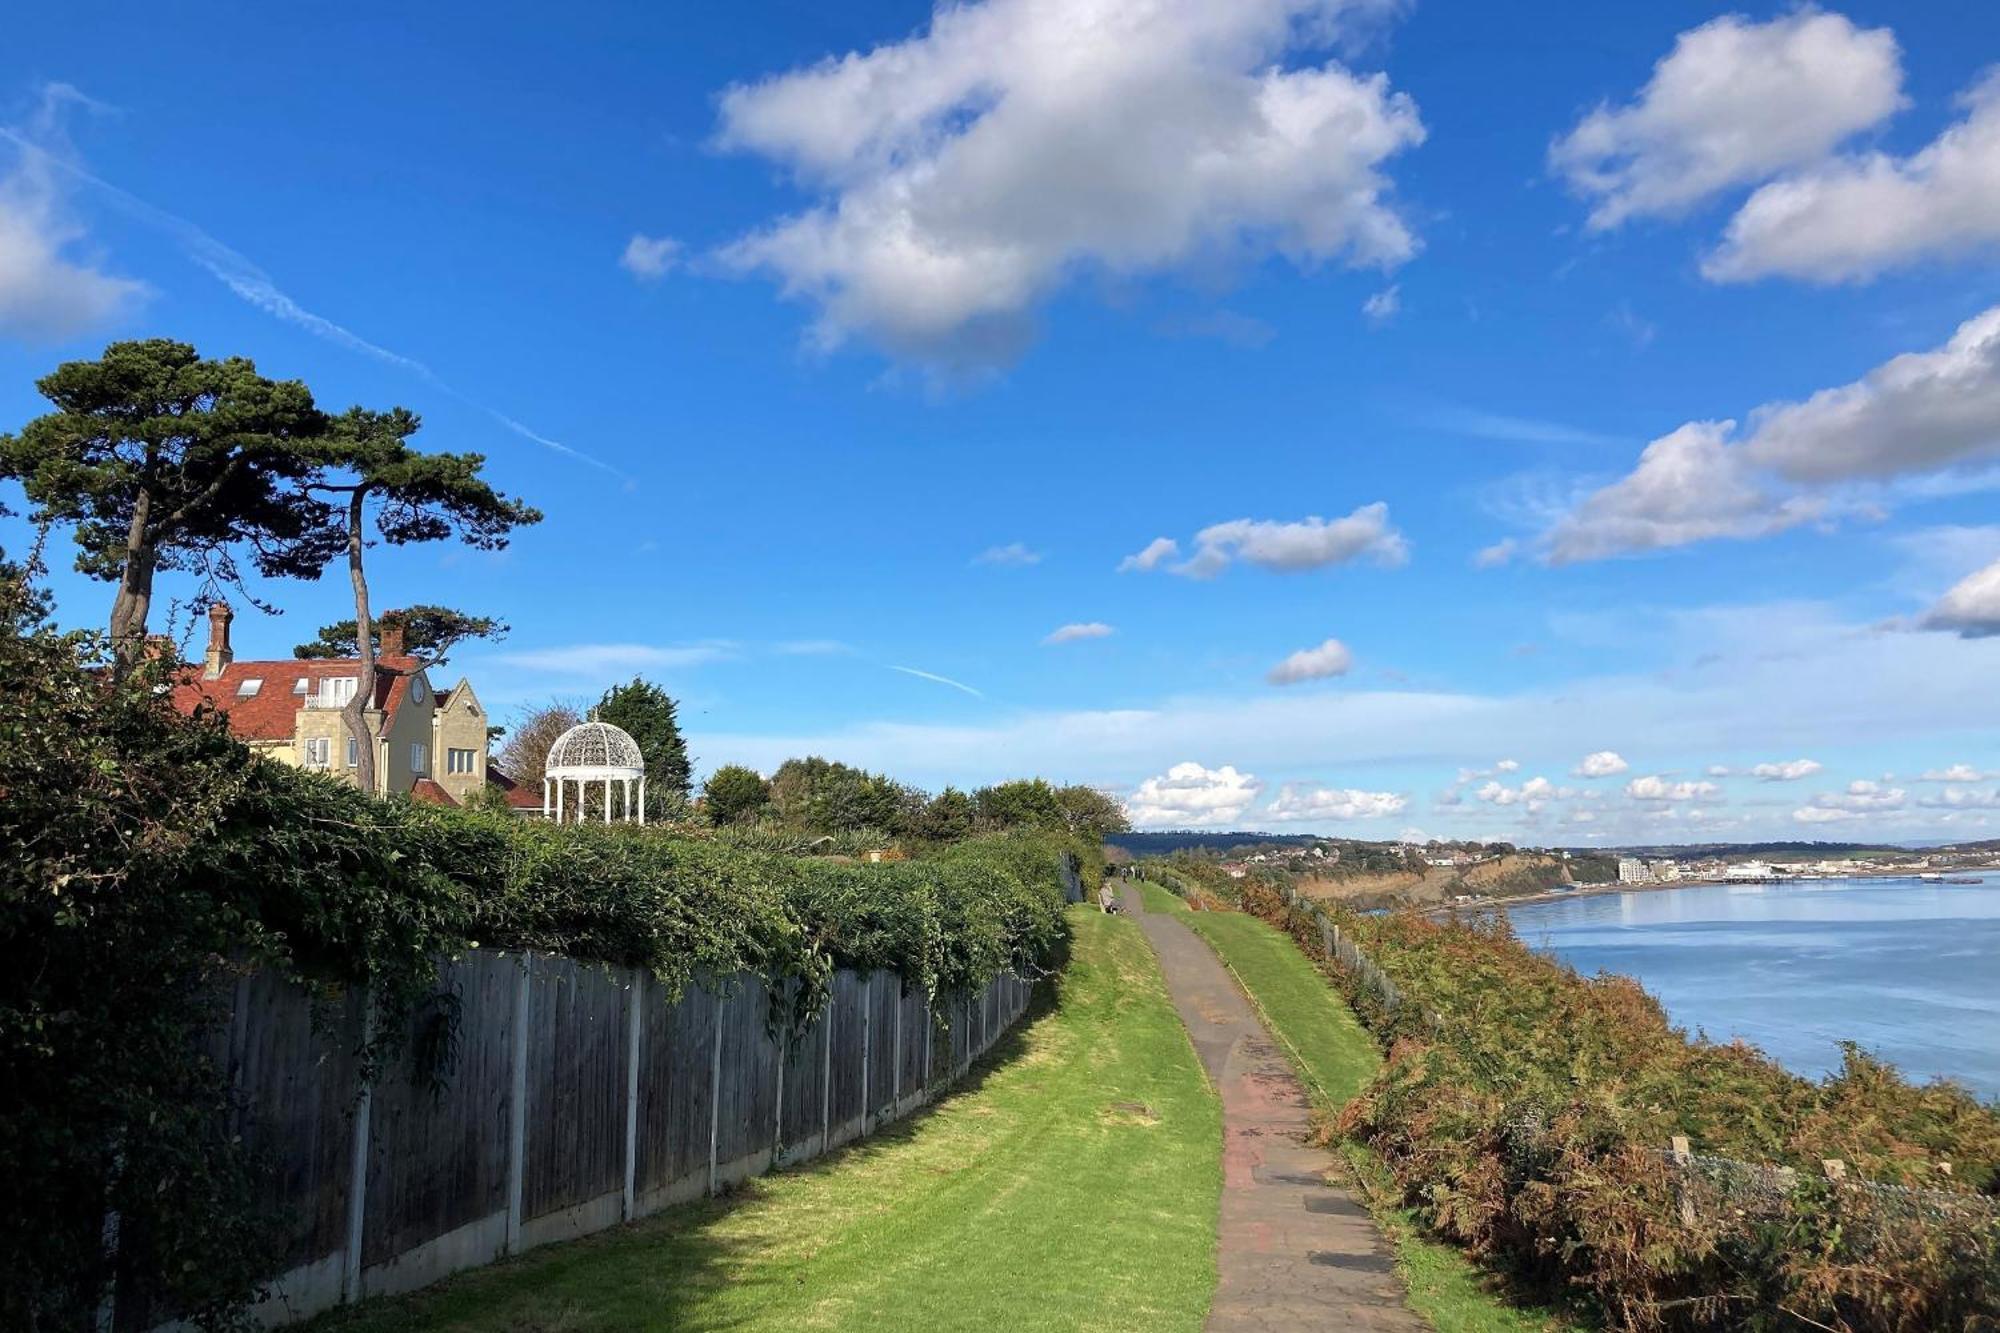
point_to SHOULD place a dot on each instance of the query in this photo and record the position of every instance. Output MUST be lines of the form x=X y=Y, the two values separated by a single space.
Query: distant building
x=1749 y=870
x=432 y=747
x=1665 y=870
x=1631 y=870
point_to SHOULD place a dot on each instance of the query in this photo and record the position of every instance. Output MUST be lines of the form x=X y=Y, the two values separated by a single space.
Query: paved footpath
x=1295 y=1251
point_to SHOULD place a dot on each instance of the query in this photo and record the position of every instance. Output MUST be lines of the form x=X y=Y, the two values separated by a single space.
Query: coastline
x=1600 y=890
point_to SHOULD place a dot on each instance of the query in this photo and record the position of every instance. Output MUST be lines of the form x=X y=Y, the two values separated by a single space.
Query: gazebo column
x=545 y=798
x=642 y=799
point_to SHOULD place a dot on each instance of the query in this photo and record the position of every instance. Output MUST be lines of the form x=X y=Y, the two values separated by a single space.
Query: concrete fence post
x=1683 y=1160
x=517 y=1100
x=634 y=1023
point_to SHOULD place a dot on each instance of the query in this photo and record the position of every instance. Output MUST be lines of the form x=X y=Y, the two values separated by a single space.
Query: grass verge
x=1071 y=1183
x=1335 y=1056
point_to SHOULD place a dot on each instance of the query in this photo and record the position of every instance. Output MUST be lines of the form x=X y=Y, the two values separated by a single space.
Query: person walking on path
x=1293 y=1250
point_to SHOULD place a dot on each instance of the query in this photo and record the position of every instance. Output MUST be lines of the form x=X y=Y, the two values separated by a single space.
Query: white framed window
x=417 y=690
x=248 y=689
x=420 y=757
x=335 y=691
x=460 y=761
x=319 y=751
x=353 y=753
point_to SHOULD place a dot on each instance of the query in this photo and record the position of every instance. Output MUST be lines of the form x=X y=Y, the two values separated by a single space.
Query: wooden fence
x=573 y=1097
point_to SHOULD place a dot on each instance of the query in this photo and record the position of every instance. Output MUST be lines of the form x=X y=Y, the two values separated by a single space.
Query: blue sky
x=786 y=314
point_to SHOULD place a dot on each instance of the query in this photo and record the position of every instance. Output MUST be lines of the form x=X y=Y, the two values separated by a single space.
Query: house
x=431 y=746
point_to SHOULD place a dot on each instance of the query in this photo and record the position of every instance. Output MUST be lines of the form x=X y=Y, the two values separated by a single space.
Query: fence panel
x=847 y=1094
x=575 y=1129
x=676 y=1096
x=438 y=1164
x=747 y=1099
x=884 y=1002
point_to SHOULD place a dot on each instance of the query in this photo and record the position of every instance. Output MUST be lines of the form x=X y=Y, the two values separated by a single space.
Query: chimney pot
x=219 y=653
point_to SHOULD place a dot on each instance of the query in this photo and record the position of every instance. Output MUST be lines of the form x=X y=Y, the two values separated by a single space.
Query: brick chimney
x=392 y=638
x=219 y=654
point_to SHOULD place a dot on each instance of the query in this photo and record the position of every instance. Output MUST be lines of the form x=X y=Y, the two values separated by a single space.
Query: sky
x=1568 y=423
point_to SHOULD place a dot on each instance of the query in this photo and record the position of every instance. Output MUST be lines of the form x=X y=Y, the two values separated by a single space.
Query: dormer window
x=247 y=689
x=335 y=691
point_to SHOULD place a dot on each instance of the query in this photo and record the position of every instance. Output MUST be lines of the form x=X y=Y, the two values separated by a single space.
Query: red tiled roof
x=516 y=796
x=270 y=714
x=427 y=791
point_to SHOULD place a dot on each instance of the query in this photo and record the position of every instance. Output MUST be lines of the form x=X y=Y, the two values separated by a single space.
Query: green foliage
x=650 y=716
x=1034 y=803
x=825 y=796
x=1524 y=1109
x=418 y=497
x=153 y=858
x=159 y=459
x=948 y=816
x=429 y=633
x=734 y=794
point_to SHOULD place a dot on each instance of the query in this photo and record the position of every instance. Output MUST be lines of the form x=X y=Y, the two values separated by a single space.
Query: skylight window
x=248 y=689
x=299 y=685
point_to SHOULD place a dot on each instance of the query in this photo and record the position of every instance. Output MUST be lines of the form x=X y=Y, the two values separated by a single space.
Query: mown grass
x=1072 y=1183
x=1336 y=1056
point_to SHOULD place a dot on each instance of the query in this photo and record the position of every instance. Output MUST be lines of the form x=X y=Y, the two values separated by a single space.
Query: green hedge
x=151 y=857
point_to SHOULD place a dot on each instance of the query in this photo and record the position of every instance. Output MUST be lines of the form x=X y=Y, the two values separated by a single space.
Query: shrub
x=157 y=858
x=1525 y=1111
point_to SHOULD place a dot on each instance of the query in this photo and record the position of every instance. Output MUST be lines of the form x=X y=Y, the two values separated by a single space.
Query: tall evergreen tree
x=159 y=459
x=430 y=633
x=651 y=717
x=417 y=497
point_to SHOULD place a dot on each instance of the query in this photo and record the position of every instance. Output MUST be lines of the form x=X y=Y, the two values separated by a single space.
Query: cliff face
x=1510 y=876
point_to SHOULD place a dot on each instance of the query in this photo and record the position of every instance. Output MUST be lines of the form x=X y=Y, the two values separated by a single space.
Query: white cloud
x=1602 y=764
x=1158 y=551
x=1913 y=413
x=48 y=291
x=1328 y=659
x=1655 y=788
x=1508 y=765
x=1689 y=486
x=650 y=257
x=1383 y=305
x=1187 y=794
x=1300 y=801
x=1814 y=814
x=1856 y=216
x=1012 y=554
x=1093 y=629
x=1719 y=770
x=1790 y=770
x=611 y=659
x=1962 y=798
x=966 y=173
x=1496 y=555
x=1955 y=773
x=1971 y=608
x=1918 y=413
x=1734 y=102
x=1295 y=547
x=1861 y=797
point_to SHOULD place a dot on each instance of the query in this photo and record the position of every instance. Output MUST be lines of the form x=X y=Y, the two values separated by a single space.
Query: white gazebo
x=594 y=752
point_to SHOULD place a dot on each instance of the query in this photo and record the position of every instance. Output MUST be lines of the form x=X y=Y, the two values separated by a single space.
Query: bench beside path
x=1294 y=1250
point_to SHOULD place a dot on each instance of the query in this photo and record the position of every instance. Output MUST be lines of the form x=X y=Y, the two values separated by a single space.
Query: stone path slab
x=1294 y=1251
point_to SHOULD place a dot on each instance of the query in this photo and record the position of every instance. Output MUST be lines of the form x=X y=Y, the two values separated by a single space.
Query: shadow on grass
x=658 y=1272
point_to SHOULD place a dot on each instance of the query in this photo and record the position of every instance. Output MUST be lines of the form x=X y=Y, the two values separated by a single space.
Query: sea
x=1907 y=968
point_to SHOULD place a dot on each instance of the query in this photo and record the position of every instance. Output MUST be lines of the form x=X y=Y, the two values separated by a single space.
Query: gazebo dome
x=588 y=754
x=595 y=750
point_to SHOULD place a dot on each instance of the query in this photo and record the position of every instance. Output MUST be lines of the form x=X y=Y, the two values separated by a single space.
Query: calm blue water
x=1909 y=970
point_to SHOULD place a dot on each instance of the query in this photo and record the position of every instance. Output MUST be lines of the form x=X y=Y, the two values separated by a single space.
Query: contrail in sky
x=932 y=676
x=235 y=271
